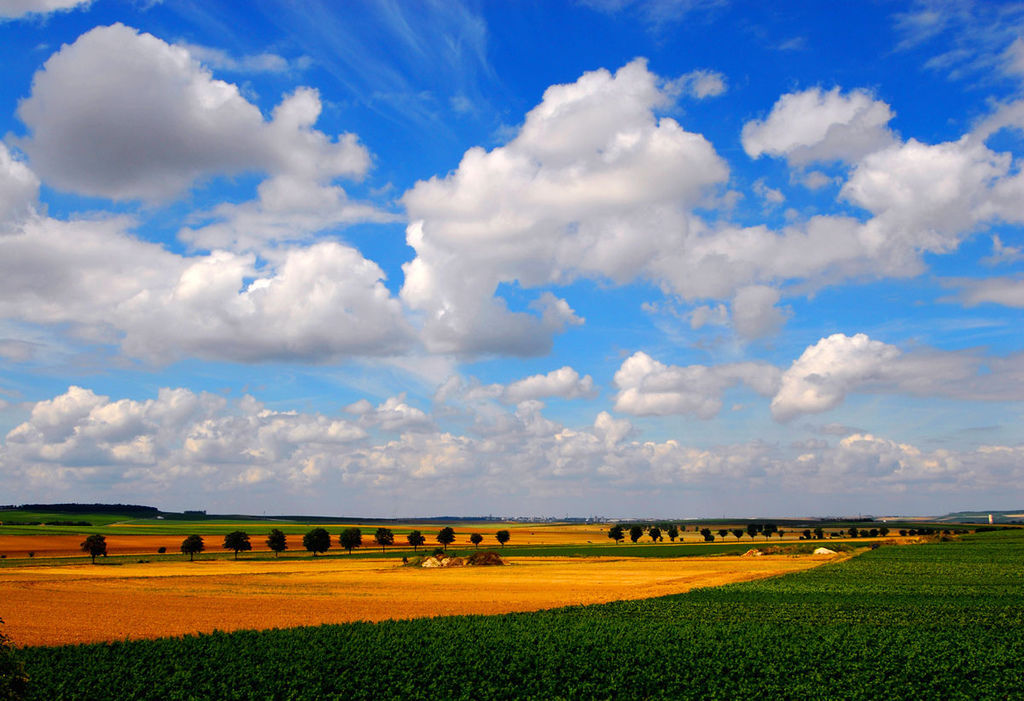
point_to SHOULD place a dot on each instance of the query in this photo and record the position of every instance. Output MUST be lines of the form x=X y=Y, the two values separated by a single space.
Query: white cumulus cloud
x=817 y=125
x=838 y=365
x=319 y=302
x=651 y=388
x=123 y=114
x=565 y=383
x=14 y=9
x=593 y=185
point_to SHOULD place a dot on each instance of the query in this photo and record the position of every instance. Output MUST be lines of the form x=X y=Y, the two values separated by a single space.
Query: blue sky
x=595 y=258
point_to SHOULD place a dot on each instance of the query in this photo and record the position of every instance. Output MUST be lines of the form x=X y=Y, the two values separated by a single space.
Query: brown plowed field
x=63 y=545
x=86 y=603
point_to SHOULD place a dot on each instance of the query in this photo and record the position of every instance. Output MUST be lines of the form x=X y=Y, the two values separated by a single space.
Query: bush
x=13 y=680
x=161 y=550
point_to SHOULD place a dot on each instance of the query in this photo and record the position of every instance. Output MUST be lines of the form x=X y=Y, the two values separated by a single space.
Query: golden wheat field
x=86 y=603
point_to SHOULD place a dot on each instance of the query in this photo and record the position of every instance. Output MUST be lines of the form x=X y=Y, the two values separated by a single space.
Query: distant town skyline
x=668 y=258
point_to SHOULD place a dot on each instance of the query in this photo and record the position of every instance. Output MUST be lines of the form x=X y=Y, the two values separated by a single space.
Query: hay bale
x=753 y=552
x=824 y=551
x=485 y=559
x=452 y=562
x=430 y=562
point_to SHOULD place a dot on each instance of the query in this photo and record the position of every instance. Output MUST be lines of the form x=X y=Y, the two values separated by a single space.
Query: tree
x=853 y=532
x=277 y=541
x=738 y=532
x=502 y=537
x=883 y=531
x=95 y=545
x=237 y=541
x=475 y=540
x=13 y=680
x=819 y=533
x=384 y=538
x=708 y=535
x=654 y=532
x=807 y=534
x=616 y=534
x=672 y=532
x=351 y=538
x=316 y=541
x=192 y=545
x=446 y=536
x=722 y=532
x=415 y=539
x=767 y=530
x=635 y=532
x=752 y=530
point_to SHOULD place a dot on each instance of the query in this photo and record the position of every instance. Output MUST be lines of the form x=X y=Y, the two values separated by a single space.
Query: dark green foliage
x=753 y=529
x=502 y=537
x=133 y=510
x=277 y=541
x=192 y=545
x=476 y=539
x=934 y=621
x=350 y=538
x=237 y=541
x=416 y=539
x=738 y=532
x=655 y=533
x=13 y=681
x=635 y=532
x=316 y=541
x=383 y=536
x=672 y=532
x=722 y=532
x=446 y=537
x=95 y=545
x=616 y=534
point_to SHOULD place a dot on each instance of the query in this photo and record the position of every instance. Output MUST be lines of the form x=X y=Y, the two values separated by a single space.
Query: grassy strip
x=935 y=621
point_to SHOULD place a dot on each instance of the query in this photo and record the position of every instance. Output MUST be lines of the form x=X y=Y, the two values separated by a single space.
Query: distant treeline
x=45 y=523
x=129 y=509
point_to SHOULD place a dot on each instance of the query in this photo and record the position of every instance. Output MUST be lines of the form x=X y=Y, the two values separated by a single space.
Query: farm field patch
x=68 y=544
x=83 y=603
x=930 y=621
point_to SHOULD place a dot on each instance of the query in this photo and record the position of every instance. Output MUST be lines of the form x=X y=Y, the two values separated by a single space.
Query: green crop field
x=931 y=621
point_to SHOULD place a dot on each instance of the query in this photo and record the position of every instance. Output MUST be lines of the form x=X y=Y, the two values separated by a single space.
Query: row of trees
x=656 y=533
x=318 y=540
